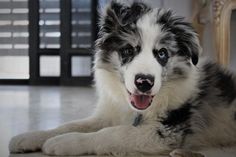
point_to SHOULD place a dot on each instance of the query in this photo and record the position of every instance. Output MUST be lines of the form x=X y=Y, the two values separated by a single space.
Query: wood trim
x=222 y=16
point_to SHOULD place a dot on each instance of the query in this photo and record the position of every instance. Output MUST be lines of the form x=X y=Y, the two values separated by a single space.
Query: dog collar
x=137 y=119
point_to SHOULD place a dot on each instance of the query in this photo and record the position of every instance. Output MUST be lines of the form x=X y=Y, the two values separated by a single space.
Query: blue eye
x=161 y=55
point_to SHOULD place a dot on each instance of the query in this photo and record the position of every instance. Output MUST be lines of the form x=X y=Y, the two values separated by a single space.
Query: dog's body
x=155 y=93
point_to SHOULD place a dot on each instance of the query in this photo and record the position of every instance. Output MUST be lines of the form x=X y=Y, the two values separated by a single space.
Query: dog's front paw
x=27 y=142
x=184 y=153
x=67 y=144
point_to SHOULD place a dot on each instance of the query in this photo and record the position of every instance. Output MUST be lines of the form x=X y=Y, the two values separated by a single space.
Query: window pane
x=49 y=66
x=81 y=66
x=14 y=67
x=14 y=60
x=49 y=24
x=14 y=28
x=81 y=24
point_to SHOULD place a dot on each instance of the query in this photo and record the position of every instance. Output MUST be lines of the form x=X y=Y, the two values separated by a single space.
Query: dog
x=156 y=93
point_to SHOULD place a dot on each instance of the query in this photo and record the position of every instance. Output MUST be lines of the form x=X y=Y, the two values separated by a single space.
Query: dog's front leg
x=33 y=141
x=111 y=140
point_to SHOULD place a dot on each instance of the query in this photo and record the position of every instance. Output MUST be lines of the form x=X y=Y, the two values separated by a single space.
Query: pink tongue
x=141 y=101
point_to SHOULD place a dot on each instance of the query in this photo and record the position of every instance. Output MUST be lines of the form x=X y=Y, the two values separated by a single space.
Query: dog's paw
x=27 y=142
x=67 y=144
x=184 y=153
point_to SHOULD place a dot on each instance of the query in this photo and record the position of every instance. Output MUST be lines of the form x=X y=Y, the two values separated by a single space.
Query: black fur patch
x=126 y=58
x=119 y=19
x=160 y=134
x=183 y=32
x=226 y=85
x=222 y=83
x=167 y=39
x=178 y=116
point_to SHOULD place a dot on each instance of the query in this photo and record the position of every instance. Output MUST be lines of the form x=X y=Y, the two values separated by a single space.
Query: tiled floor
x=24 y=108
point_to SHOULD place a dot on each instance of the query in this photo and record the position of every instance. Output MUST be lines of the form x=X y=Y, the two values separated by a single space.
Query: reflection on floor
x=24 y=108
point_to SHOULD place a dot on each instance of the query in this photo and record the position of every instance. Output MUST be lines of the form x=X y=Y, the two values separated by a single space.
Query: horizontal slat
x=49 y=4
x=13 y=52
x=5 y=11
x=20 y=10
x=49 y=10
x=21 y=46
x=49 y=40
x=14 y=46
x=5 y=34
x=81 y=3
x=80 y=10
x=20 y=34
x=50 y=28
x=13 y=40
x=14 y=27
x=81 y=45
x=50 y=34
x=48 y=46
x=15 y=34
x=7 y=28
x=5 y=22
x=81 y=16
x=49 y=16
x=81 y=40
x=13 y=17
x=5 y=46
x=81 y=34
x=81 y=22
x=20 y=22
x=81 y=28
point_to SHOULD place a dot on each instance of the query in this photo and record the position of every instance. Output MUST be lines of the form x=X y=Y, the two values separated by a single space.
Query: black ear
x=195 y=53
x=188 y=41
x=189 y=47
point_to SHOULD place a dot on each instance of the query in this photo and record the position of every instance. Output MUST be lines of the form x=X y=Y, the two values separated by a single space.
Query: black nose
x=144 y=82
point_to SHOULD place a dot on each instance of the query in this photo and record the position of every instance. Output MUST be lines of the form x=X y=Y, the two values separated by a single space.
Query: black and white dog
x=155 y=93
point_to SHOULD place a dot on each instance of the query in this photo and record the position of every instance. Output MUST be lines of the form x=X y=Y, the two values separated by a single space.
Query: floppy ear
x=195 y=51
x=187 y=40
x=189 y=46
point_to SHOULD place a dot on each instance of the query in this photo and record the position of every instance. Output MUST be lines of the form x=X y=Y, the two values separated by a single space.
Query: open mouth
x=140 y=102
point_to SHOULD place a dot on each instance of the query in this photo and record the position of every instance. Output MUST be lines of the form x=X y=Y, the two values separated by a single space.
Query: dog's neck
x=176 y=93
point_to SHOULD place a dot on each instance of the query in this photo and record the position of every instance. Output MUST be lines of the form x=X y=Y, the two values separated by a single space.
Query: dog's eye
x=127 y=52
x=161 y=55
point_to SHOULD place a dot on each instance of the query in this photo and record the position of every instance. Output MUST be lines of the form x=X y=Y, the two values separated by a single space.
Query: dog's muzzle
x=142 y=98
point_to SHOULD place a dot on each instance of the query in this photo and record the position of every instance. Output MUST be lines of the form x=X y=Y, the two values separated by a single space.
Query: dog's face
x=147 y=47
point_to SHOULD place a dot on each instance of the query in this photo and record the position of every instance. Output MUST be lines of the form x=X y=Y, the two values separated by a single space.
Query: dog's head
x=148 y=47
